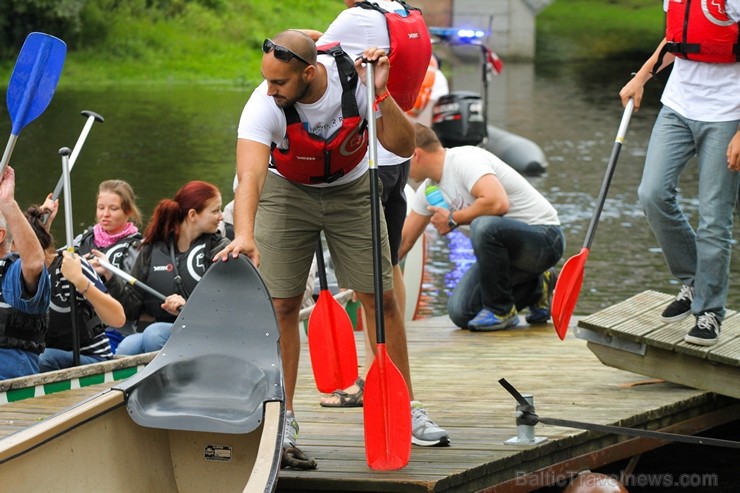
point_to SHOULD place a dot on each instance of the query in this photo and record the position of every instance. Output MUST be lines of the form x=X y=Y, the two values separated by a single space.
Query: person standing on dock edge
x=26 y=289
x=514 y=230
x=280 y=211
x=700 y=117
x=400 y=30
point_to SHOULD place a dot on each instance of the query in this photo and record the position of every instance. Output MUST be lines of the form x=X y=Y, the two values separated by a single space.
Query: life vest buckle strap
x=682 y=48
x=327 y=178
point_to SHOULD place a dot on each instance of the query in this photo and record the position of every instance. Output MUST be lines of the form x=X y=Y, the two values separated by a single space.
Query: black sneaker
x=706 y=330
x=680 y=307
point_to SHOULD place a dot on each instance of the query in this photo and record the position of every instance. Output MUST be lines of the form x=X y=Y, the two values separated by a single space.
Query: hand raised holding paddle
x=32 y=84
x=569 y=283
x=387 y=406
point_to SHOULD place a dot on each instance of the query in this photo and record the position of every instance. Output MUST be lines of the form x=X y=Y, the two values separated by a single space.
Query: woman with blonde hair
x=115 y=234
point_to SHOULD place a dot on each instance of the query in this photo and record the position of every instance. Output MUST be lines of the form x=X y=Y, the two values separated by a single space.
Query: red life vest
x=311 y=159
x=410 y=51
x=701 y=30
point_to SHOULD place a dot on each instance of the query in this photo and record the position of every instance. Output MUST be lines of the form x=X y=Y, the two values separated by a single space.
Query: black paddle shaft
x=375 y=203
x=591 y=232
x=377 y=257
x=321 y=265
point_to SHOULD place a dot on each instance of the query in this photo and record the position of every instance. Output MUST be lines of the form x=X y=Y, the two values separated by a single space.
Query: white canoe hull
x=96 y=446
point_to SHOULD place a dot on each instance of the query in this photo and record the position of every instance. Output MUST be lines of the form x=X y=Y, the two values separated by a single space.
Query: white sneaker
x=424 y=431
x=290 y=435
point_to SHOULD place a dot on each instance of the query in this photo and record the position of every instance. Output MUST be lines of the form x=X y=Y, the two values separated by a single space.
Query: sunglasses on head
x=281 y=52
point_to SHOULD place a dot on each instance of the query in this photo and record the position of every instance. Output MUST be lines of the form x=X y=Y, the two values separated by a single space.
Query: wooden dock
x=455 y=374
x=630 y=335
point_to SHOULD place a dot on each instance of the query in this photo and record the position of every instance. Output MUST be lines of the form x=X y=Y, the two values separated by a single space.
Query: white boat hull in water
x=413 y=267
x=520 y=153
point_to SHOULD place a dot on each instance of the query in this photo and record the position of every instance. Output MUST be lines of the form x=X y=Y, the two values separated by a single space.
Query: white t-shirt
x=706 y=92
x=264 y=122
x=465 y=165
x=357 y=29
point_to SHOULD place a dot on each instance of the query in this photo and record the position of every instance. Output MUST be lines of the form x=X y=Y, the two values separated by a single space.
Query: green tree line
x=218 y=41
x=114 y=41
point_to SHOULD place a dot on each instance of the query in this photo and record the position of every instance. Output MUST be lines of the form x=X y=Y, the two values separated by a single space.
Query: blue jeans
x=698 y=257
x=510 y=258
x=56 y=359
x=16 y=363
x=152 y=339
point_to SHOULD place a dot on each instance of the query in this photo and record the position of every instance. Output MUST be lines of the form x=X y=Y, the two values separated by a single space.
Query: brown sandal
x=345 y=399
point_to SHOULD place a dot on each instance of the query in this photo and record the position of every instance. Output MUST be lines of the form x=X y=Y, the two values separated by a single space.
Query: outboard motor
x=458 y=119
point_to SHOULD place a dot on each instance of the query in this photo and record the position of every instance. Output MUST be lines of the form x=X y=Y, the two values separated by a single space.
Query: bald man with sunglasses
x=286 y=195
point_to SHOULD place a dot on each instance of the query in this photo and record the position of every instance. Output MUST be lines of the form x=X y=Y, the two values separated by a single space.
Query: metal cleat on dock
x=526 y=418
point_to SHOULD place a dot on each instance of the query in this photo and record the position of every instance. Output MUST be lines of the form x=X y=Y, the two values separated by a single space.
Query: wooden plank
x=669 y=335
x=675 y=367
x=631 y=307
x=726 y=354
x=639 y=327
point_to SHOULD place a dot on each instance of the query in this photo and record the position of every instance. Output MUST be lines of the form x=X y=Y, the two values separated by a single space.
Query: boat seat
x=221 y=363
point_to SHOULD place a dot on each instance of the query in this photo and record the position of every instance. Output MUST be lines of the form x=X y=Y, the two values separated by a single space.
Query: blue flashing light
x=470 y=33
x=463 y=35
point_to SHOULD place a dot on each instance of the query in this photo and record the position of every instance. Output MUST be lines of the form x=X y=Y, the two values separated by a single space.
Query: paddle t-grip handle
x=92 y=117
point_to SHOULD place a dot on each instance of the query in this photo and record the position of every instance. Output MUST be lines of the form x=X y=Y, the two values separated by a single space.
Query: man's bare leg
x=287 y=310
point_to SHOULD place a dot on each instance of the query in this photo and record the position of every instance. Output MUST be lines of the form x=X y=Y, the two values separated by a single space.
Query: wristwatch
x=451 y=222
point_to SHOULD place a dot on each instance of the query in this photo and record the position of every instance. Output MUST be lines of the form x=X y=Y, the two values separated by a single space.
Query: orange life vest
x=425 y=93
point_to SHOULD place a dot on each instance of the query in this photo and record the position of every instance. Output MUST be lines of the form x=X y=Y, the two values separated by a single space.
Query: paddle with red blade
x=569 y=282
x=386 y=402
x=331 y=339
x=32 y=84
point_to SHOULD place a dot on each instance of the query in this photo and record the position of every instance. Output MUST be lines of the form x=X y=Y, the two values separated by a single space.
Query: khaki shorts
x=289 y=219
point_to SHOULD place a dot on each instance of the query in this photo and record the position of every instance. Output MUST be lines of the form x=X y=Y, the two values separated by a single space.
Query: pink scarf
x=104 y=240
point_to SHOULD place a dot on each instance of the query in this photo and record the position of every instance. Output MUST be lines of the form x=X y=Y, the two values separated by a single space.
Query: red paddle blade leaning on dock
x=566 y=292
x=569 y=283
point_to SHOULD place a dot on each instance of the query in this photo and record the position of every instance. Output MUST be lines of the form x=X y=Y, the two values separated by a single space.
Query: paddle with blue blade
x=386 y=402
x=568 y=287
x=32 y=84
x=331 y=339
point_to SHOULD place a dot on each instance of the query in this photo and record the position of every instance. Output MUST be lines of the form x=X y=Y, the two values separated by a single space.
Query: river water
x=159 y=137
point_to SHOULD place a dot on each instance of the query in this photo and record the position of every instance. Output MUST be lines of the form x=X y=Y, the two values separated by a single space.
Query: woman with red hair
x=179 y=242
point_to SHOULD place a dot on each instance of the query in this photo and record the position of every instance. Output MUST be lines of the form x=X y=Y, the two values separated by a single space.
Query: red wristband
x=380 y=99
